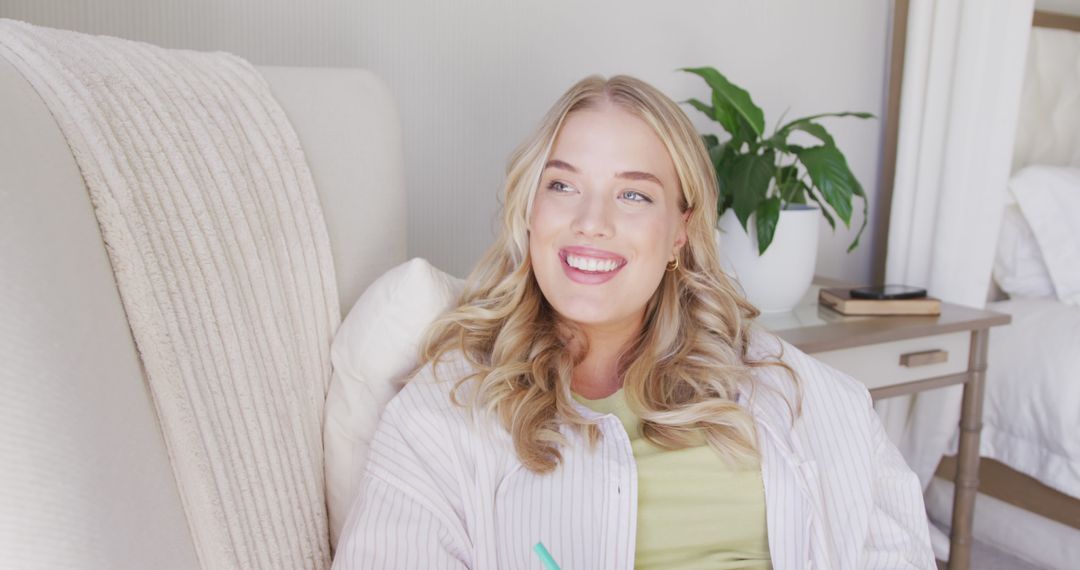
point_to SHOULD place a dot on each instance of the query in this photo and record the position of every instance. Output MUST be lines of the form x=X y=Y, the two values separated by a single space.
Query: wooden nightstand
x=948 y=349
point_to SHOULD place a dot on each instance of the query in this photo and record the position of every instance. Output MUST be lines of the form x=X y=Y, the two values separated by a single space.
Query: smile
x=591 y=263
x=590 y=266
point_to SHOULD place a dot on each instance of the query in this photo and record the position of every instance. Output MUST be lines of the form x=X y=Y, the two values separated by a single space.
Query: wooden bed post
x=891 y=138
x=967 y=472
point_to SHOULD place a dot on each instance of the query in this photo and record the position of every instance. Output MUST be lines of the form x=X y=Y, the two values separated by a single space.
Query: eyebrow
x=628 y=175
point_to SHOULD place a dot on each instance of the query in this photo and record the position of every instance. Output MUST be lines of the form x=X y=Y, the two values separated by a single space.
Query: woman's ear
x=680 y=237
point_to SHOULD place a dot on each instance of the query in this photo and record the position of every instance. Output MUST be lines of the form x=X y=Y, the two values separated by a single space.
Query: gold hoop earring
x=672 y=266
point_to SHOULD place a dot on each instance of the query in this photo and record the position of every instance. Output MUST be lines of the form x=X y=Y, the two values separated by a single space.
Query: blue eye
x=557 y=186
x=635 y=196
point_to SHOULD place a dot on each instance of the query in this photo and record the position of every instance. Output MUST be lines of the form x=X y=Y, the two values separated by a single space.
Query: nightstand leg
x=967 y=471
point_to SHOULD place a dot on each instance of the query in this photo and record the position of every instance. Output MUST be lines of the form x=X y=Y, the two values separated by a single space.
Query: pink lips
x=590 y=277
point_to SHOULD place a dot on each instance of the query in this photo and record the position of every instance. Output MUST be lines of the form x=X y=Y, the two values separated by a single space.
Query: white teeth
x=591 y=263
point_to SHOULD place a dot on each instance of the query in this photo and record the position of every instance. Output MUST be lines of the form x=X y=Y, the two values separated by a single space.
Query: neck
x=597 y=376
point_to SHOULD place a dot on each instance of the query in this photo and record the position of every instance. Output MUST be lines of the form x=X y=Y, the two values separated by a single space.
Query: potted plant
x=764 y=178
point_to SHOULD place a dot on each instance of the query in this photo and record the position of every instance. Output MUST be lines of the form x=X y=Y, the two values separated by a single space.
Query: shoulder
x=436 y=402
x=816 y=378
x=825 y=393
x=430 y=391
x=835 y=428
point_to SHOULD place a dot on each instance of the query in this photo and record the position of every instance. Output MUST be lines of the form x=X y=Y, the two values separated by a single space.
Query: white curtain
x=963 y=69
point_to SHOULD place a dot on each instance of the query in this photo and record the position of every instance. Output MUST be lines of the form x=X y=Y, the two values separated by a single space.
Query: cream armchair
x=85 y=478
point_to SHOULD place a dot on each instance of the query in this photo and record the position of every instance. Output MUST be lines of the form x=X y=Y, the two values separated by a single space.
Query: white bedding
x=1031 y=419
x=1024 y=534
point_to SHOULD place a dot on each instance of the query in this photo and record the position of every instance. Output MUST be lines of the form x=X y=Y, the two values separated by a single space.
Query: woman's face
x=606 y=219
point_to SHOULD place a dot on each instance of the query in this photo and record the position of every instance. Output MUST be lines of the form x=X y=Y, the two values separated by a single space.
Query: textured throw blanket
x=213 y=228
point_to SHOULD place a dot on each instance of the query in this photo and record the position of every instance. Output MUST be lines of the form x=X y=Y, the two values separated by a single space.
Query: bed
x=1029 y=501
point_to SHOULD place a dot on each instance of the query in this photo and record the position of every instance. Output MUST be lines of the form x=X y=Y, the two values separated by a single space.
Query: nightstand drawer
x=897 y=362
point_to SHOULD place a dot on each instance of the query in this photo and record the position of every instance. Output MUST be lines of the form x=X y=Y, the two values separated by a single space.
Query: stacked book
x=841 y=301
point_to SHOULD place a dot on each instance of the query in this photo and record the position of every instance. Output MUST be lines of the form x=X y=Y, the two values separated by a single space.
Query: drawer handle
x=913 y=359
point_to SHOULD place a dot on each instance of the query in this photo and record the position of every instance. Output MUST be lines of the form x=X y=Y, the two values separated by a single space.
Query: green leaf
x=831 y=176
x=811 y=118
x=824 y=210
x=786 y=177
x=857 y=188
x=799 y=195
x=710 y=141
x=702 y=107
x=733 y=95
x=866 y=216
x=723 y=160
x=725 y=114
x=855 y=243
x=728 y=117
x=807 y=124
x=749 y=183
x=787 y=173
x=791 y=188
x=817 y=131
x=766 y=216
x=721 y=157
x=718 y=153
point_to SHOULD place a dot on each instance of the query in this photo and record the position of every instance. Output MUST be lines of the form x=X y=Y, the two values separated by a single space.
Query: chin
x=591 y=313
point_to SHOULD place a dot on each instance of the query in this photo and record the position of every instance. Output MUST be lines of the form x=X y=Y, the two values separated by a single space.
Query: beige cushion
x=374 y=350
x=86 y=481
x=348 y=125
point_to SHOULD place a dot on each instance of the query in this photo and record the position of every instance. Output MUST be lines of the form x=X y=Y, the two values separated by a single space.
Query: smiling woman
x=601 y=387
x=602 y=229
x=612 y=173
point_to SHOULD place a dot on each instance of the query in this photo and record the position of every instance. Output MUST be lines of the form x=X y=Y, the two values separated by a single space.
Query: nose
x=593 y=218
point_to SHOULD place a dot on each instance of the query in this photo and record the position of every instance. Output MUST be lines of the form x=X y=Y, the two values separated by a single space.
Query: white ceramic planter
x=776 y=281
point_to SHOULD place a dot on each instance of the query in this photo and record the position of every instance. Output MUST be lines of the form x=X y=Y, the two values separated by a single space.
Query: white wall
x=266 y=32
x=472 y=77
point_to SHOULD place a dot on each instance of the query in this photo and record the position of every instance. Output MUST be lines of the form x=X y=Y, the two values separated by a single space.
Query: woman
x=602 y=389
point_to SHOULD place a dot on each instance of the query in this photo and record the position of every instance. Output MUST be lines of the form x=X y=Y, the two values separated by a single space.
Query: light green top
x=693 y=510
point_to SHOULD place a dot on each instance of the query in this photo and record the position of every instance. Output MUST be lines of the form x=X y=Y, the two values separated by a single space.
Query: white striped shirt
x=443 y=487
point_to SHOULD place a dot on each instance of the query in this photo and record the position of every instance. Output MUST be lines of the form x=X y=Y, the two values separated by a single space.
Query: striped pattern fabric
x=443 y=488
x=222 y=260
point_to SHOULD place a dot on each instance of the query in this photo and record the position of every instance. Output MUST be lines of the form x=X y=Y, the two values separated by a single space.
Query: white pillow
x=1049 y=197
x=375 y=347
x=1019 y=269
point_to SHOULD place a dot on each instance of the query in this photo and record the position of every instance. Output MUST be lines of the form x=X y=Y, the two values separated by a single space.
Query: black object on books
x=884 y=292
x=841 y=300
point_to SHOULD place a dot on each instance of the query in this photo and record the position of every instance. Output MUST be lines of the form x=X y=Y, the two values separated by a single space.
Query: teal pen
x=545 y=557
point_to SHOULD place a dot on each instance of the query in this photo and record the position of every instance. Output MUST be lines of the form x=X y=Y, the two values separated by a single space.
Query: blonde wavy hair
x=682 y=372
